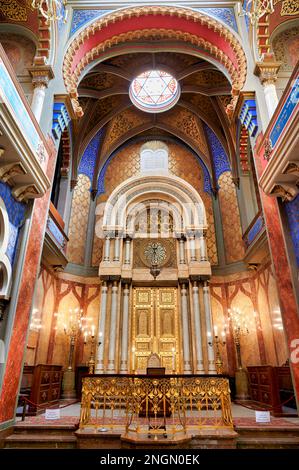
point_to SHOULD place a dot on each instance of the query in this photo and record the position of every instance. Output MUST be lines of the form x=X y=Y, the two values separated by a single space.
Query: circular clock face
x=155 y=253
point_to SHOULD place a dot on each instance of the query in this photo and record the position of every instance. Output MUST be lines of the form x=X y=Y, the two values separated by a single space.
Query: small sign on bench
x=262 y=417
x=52 y=413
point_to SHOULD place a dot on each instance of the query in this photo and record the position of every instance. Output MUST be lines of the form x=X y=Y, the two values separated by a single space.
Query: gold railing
x=154 y=405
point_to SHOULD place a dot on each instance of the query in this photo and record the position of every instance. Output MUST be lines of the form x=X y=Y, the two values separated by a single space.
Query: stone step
x=258 y=442
x=44 y=441
x=61 y=429
x=267 y=432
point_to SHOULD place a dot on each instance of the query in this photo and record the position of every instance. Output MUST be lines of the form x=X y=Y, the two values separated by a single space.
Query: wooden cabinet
x=44 y=386
x=267 y=384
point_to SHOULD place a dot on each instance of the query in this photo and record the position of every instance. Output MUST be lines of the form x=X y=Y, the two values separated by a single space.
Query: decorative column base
x=242 y=385
x=187 y=367
x=212 y=368
x=111 y=368
x=99 y=369
x=68 y=384
x=123 y=367
x=200 y=368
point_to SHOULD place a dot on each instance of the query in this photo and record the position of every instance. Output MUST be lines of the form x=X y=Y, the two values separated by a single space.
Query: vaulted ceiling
x=104 y=98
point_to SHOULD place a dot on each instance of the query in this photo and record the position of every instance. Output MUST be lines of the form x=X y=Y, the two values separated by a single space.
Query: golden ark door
x=155 y=327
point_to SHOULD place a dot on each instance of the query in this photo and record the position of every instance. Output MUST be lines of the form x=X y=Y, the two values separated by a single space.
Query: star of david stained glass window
x=154 y=91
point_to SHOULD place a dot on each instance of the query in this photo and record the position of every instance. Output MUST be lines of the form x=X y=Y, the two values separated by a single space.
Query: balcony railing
x=25 y=151
x=279 y=145
x=256 y=227
x=155 y=404
x=55 y=245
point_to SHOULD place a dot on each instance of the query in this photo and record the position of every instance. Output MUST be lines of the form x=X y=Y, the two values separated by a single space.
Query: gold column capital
x=267 y=69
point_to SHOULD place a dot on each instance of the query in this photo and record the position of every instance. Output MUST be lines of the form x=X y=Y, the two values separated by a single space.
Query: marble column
x=186 y=334
x=182 y=251
x=116 y=248
x=199 y=368
x=41 y=75
x=113 y=320
x=20 y=307
x=125 y=331
x=38 y=99
x=203 y=246
x=101 y=330
x=107 y=249
x=191 y=246
x=267 y=71
x=209 y=327
x=282 y=271
x=128 y=251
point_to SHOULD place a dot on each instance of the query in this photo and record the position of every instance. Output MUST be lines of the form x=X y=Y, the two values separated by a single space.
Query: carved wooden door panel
x=155 y=327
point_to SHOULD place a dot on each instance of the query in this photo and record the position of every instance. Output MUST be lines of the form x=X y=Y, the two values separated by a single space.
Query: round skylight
x=154 y=91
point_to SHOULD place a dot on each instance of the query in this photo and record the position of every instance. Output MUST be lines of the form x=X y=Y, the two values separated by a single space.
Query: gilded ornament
x=12 y=10
x=289 y=7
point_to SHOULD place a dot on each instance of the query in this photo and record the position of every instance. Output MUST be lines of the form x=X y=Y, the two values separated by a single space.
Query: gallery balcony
x=255 y=240
x=280 y=145
x=55 y=243
x=24 y=150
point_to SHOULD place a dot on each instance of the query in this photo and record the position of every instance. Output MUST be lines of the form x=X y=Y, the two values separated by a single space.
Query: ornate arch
x=167 y=187
x=194 y=31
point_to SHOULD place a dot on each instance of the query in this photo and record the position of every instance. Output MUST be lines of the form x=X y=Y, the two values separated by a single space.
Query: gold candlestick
x=218 y=362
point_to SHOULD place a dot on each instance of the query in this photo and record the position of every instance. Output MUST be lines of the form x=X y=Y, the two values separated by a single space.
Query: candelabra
x=72 y=323
x=217 y=343
x=90 y=334
x=240 y=328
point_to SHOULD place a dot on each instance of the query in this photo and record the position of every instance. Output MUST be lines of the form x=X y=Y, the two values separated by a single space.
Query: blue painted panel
x=61 y=119
x=16 y=213
x=81 y=17
x=89 y=156
x=55 y=231
x=248 y=117
x=292 y=211
x=255 y=230
x=220 y=160
x=11 y=98
x=226 y=15
x=286 y=112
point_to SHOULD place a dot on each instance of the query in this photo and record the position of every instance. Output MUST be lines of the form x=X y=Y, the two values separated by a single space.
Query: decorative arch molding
x=167 y=187
x=195 y=30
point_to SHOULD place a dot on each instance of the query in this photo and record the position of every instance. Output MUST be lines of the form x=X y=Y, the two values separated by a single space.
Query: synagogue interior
x=149 y=224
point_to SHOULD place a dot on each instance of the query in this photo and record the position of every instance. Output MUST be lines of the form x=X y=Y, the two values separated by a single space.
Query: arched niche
x=168 y=188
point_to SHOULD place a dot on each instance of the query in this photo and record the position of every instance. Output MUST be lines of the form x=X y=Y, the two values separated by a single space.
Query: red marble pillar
x=282 y=271
x=13 y=369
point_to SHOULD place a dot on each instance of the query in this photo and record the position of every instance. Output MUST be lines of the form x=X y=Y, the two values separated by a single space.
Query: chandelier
x=255 y=9
x=52 y=10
